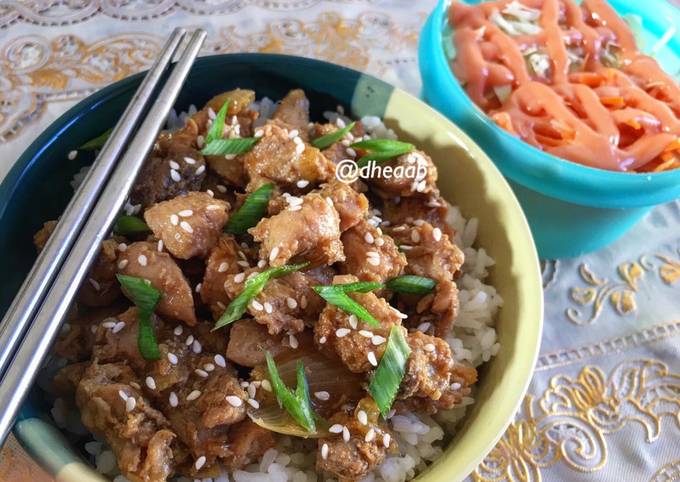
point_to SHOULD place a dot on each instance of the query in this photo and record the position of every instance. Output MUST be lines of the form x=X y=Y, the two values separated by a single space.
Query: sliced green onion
x=297 y=404
x=217 y=126
x=329 y=139
x=359 y=286
x=223 y=147
x=252 y=210
x=335 y=295
x=387 y=377
x=411 y=284
x=126 y=225
x=98 y=142
x=251 y=289
x=381 y=150
x=145 y=297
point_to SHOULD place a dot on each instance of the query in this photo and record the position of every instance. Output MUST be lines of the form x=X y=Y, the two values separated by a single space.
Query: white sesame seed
x=253 y=403
x=371 y=359
x=185 y=213
x=373 y=261
x=208 y=367
x=378 y=340
x=174 y=219
x=268 y=307
x=135 y=385
x=415 y=236
x=234 y=401
x=221 y=188
x=220 y=361
x=345 y=142
x=362 y=417
x=429 y=347
x=172 y=358
x=174 y=165
x=200 y=462
x=213 y=207
x=174 y=401
x=424 y=326
x=324 y=451
x=386 y=440
x=174 y=175
x=252 y=390
x=266 y=385
x=243 y=264
x=274 y=253
x=122 y=395
x=109 y=323
x=329 y=201
x=198 y=287
x=437 y=234
x=256 y=305
x=201 y=373
x=293 y=341
x=190 y=160
x=366 y=333
x=293 y=134
x=370 y=435
x=178 y=330
x=151 y=383
x=353 y=321
x=455 y=386
x=94 y=284
x=200 y=170
x=401 y=315
x=193 y=395
x=336 y=428
x=368 y=237
x=258 y=133
x=345 y=434
x=122 y=247
x=239 y=277
x=322 y=340
x=141 y=259
x=341 y=332
x=351 y=152
x=211 y=113
x=118 y=327
x=196 y=347
x=379 y=242
x=291 y=303
x=224 y=266
x=72 y=155
x=302 y=183
x=130 y=404
x=322 y=395
x=186 y=226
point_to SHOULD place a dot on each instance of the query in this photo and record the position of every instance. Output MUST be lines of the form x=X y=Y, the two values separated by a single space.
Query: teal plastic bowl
x=572 y=209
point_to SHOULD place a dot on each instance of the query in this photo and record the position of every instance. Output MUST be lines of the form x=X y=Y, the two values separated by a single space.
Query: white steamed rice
x=420 y=437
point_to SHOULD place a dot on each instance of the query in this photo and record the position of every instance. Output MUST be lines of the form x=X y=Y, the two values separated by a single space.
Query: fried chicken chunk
x=358 y=344
x=311 y=231
x=370 y=254
x=143 y=260
x=189 y=225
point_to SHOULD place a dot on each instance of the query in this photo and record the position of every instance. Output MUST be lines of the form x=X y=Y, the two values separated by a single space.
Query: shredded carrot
x=615 y=102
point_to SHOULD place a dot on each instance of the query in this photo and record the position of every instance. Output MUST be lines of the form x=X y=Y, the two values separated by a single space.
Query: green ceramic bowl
x=37 y=189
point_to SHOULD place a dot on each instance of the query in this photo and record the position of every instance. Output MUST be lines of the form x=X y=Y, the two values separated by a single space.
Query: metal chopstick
x=46 y=324
x=34 y=288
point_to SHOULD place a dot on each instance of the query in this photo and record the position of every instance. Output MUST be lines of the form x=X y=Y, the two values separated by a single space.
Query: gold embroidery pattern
x=35 y=70
x=619 y=293
x=667 y=473
x=57 y=13
x=569 y=423
x=645 y=336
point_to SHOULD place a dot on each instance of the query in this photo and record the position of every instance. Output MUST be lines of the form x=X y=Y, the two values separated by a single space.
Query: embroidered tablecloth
x=604 y=403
